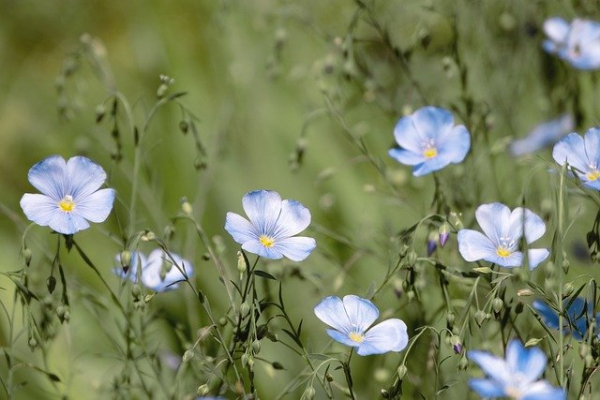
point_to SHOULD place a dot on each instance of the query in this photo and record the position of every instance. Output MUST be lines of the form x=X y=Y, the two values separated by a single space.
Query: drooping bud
x=188 y=355
x=27 y=255
x=203 y=390
x=432 y=240
x=497 y=304
x=444 y=233
x=186 y=207
x=401 y=371
x=125 y=258
x=309 y=393
x=456 y=344
x=241 y=264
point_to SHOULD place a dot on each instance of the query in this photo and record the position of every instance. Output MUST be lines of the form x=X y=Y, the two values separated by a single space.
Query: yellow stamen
x=430 y=152
x=593 y=175
x=266 y=241
x=503 y=252
x=356 y=337
x=67 y=204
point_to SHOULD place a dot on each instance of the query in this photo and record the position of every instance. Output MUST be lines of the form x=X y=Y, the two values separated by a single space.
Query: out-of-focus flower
x=158 y=271
x=578 y=43
x=516 y=377
x=429 y=140
x=272 y=226
x=582 y=155
x=503 y=230
x=542 y=135
x=578 y=316
x=71 y=194
x=351 y=318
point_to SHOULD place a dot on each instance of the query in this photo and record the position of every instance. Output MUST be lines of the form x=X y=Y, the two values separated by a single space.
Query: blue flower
x=503 y=230
x=429 y=140
x=582 y=155
x=272 y=226
x=158 y=271
x=70 y=196
x=542 y=135
x=577 y=319
x=516 y=377
x=351 y=318
x=577 y=43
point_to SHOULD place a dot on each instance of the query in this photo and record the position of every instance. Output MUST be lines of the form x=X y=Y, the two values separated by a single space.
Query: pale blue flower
x=272 y=226
x=429 y=140
x=578 y=316
x=582 y=155
x=351 y=318
x=503 y=231
x=516 y=377
x=71 y=194
x=577 y=43
x=159 y=272
x=542 y=135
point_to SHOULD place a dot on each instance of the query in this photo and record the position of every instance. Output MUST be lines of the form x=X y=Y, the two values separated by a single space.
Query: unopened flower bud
x=203 y=390
x=244 y=309
x=463 y=364
x=276 y=365
x=568 y=289
x=432 y=240
x=309 y=393
x=450 y=317
x=479 y=317
x=256 y=347
x=125 y=259
x=186 y=207
x=524 y=293
x=27 y=255
x=444 y=233
x=241 y=264
x=32 y=343
x=188 y=355
x=497 y=304
x=401 y=371
x=411 y=258
x=184 y=126
x=136 y=290
x=456 y=344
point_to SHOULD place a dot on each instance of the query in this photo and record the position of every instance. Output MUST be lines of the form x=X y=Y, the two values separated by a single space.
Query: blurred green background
x=286 y=94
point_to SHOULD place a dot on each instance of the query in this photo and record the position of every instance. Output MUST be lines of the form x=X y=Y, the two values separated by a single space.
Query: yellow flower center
x=430 y=152
x=356 y=337
x=593 y=174
x=503 y=252
x=266 y=241
x=67 y=204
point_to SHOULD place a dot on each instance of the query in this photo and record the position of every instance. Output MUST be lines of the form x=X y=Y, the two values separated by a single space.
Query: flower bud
x=456 y=344
x=450 y=317
x=568 y=289
x=203 y=390
x=309 y=393
x=188 y=355
x=401 y=371
x=524 y=293
x=411 y=258
x=136 y=290
x=184 y=126
x=404 y=250
x=256 y=347
x=479 y=317
x=125 y=258
x=186 y=207
x=497 y=304
x=27 y=255
x=463 y=364
x=444 y=233
x=244 y=310
x=432 y=240
x=241 y=264
x=276 y=365
x=32 y=343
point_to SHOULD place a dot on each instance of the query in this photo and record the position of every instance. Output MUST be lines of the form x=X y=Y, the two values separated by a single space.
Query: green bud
x=404 y=250
x=186 y=207
x=241 y=264
x=203 y=390
x=184 y=126
x=309 y=393
x=568 y=289
x=100 y=112
x=450 y=317
x=497 y=304
x=188 y=355
x=125 y=259
x=479 y=317
x=463 y=364
x=32 y=343
x=244 y=310
x=256 y=347
x=401 y=371
x=136 y=290
x=27 y=255
x=277 y=365
x=411 y=258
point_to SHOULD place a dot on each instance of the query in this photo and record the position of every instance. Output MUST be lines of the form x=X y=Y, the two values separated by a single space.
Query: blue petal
x=295 y=248
x=493 y=366
x=515 y=259
x=474 y=246
x=95 y=207
x=536 y=256
x=137 y=258
x=542 y=390
x=389 y=335
x=67 y=223
x=408 y=136
x=361 y=312
x=494 y=220
x=454 y=146
x=557 y=29
x=547 y=313
x=159 y=260
x=342 y=338
x=530 y=363
x=592 y=145
x=240 y=228
x=331 y=311
x=583 y=45
x=571 y=149
x=543 y=135
x=524 y=220
x=407 y=157
x=83 y=177
x=293 y=219
x=432 y=122
x=256 y=247
x=48 y=176
x=430 y=165
x=262 y=208
x=39 y=208
x=487 y=387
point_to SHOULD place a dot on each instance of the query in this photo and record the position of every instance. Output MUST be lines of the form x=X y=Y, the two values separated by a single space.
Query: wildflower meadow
x=274 y=199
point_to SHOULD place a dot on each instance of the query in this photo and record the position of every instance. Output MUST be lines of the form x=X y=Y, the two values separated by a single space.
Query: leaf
x=264 y=274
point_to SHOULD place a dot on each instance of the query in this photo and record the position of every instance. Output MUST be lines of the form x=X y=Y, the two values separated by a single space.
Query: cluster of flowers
x=428 y=140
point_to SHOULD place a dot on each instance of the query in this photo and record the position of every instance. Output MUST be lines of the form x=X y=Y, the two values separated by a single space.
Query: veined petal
x=487 y=387
x=408 y=136
x=83 y=177
x=430 y=165
x=240 y=228
x=361 y=312
x=39 y=208
x=48 y=176
x=342 y=338
x=293 y=219
x=542 y=390
x=331 y=311
x=295 y=248
x=474 y=246
x=530 y=363
x=432 y=122
x=536 y=256
x=494 y=221
x=389 y=335
x=557 y=29
x=571 y=149
x=547 y=313
x=543 y=135
x=592 y=145
x=515 y=259
x=67 y=223
x=524 y=220
x=455 y=145
x=493 y=366
x=407 y=157
x=254 y=246
x=263 y=208
x=173 y=265
x=595 y=184
x=95 y=207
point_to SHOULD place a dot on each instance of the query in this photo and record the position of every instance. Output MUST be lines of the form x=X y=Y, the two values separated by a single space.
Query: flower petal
x=494 y=221
x=295 y=248
x=408 y=136
x=174 y=265
x=493 y=366
x=240 y=228
x=361 y=312
x=39 y=208
x=389 y=335
x=83 y=177
x=547 y=313
x=96 y=206
x=331 y=311
x=254 y=246
x=543 y=135
x=515 y=259
x=524 y=220
x=454 y=146
x=293 y=219
x=536 y=256
x=592 y=145
x=407 y=157
x=430 y=165
x=542 y=390
x=571 y=149
x=48 y=176
x=432 y=122
x=487 y=387
x=263 y=208
x=530 y=363
x=67 y=223
x=474 y=246
x=557 y=29
x=342 y=338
